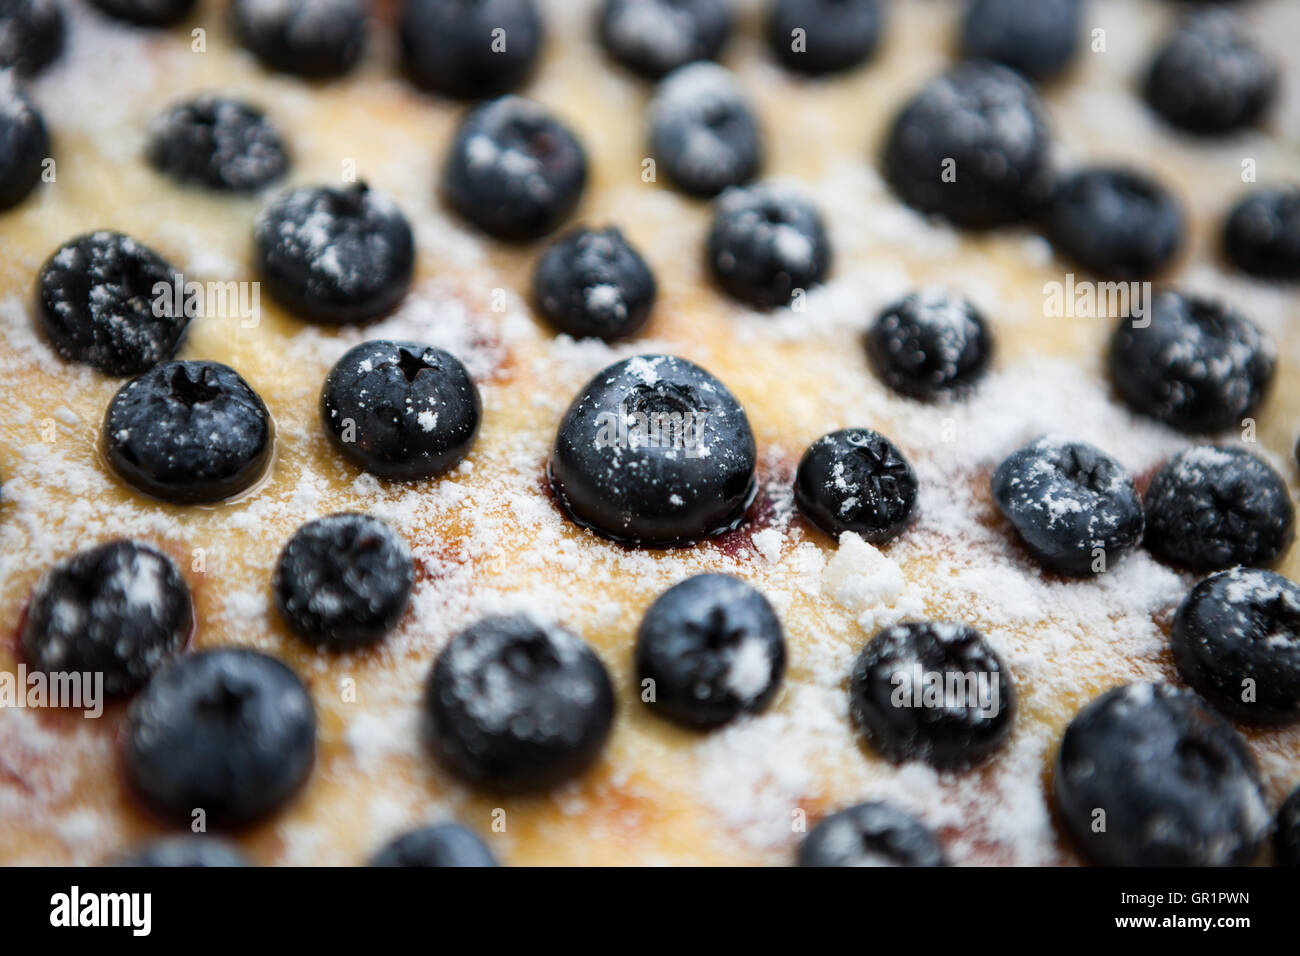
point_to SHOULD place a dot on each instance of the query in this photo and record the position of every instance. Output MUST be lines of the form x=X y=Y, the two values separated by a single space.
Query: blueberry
x=312 y=38
x=119 y=609
x=1209 y=77
x=99 y=301
x=231 y=732
x=470 y=49
x=219 y=143
x=856 y=480
x=147 y=13
x=654 y=37
x=514 y=170
x=1191 y=363
x=342 y=582
x=1211 y=508
x=713 y=649
x=184 y=851
x=654 y=451
x=1236 y=640
x=1037 y=37
x=401 y=409
x=335 y=255
x=1147 y=775
x=836 y=35
x=1072 y=505
x=929 y=344
x=188 y=432
x=871 y=834
x=932 y=691
x=593 y=283
x=767 y=244
x=515 y=705
x=445 y=844
x=703 y=131
x=1118 y=223
x=24 y=143
x=1286 y=834
x=971 y=146
x=31 y=34
x=1262 y=234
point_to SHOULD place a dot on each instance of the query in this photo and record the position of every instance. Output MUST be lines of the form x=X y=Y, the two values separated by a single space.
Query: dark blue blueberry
x=312 y=38
x=24 y=144
x=188 y=432
x=231 y=732
x=445 y=844
x=147 y=13
x=1037 y=37
x=971 y=146
x=184 y=851
x=703 y=131
x=856 y=480
x=1117 y=223
x=119 y=609
x=470 y=49
x=342 y=581
x=1236 y=640
x=335 y=255
x=871 y=834
x=929 y=344
x=932 y=691
x=593 y=283
x=514 y=170
x=515 y=705
x=218 y=143
x=1148 y=775
x=31 y=34
x=100 y=302
x=767 y=245
x=1286 y=834
x=712 y=649
x=1212 y=508
x=1191 y=363
x=654 y=37
x=401 y=409
x=655 y=451
x=1074 y=507
x=1262 y=234
x=1209 y=77
x=834 y=35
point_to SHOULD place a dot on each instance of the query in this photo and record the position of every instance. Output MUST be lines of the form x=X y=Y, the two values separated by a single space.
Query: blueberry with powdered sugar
x=219 y=143
x=592 y=282
x=512 y=704
x=189 y=850
x=118 y=609
x=1262 y=234
x=703 y=131
x=871 y=834
x=1037 y=37
x=819 y=37
x=654 y=37
x=929 y=344
x=335 y=255
x=24 y=143
x=469 y=49
x=312 y=38
x=443 y=844
x=856 y=480
x=31 y=34
x=147 y=13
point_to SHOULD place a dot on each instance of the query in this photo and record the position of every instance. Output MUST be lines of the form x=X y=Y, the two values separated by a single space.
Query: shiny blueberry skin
x=929 y=345
x=401 y=409
x=1236 y=641
x=34 y=31
x=703 y=132
x=1286 y=832
x=690 y=478
x=766 y=245
x=1212 y=508
x=1197 y=366
x=118 y=609
x=515 y=705
x=184 y=851
x=891 y=709
x=218 y=143
x=1209 y=77
x=1066 y=500
x=311 y=38
x=514 y=170
x=147 y=13
x=24 y=144
x=983 y=124
x=230 y=731
x=188 y=432
x=1037 y=37
x=334 y=256
x=871 y=834
x=1262 y=234
x=1117 y=223
x=444 y=844
x=713 y=649
x=343 y=581
x=592 y=282
x=856 y=480
x=654 y=37
x=453 y=47
x=1176 y=782
x=837 y=34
